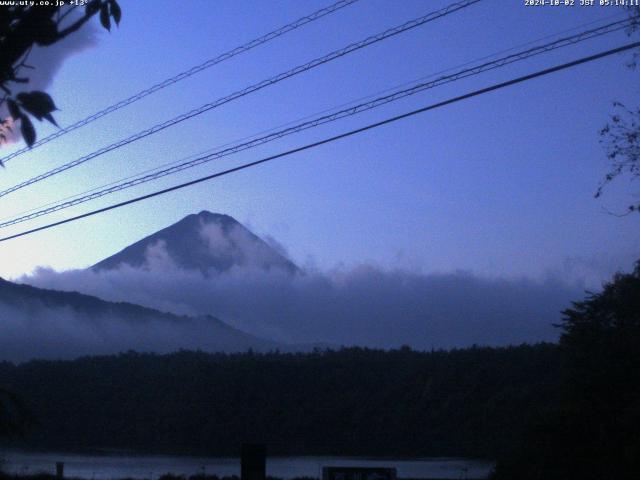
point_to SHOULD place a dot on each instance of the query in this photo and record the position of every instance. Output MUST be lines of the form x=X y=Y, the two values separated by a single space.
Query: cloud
x=593 y=270
x=239 y=246
x=364 y=305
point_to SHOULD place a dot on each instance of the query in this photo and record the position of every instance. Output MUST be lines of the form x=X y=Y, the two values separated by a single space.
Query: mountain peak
x=206 y=241
x=210 y=216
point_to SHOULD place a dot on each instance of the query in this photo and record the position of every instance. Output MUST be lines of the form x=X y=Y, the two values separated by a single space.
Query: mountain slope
x=39 y=323
x=206 y=242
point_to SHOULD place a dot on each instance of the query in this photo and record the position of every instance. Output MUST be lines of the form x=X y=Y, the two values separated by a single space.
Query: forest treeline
x=472 y=402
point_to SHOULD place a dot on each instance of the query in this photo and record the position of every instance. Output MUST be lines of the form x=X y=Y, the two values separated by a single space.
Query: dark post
x=253 y=461
x=59 y=469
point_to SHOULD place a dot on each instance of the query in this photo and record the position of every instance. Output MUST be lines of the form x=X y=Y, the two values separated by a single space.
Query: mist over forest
x=364 y=305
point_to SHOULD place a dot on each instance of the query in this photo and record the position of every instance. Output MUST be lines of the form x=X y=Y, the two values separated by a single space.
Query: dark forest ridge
x=354 y=401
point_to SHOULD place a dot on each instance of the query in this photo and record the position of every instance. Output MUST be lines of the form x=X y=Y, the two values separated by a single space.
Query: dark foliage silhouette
x=594 y=430
x=471 y=402
x=21 y=28
x=620 y=137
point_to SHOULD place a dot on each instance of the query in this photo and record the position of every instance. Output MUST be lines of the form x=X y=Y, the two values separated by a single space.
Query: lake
x=106 y=467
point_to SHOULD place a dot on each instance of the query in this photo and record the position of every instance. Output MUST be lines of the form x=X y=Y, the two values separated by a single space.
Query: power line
x=362 y=107
x=251 y=89
x=352 y=102
x=186 y=74
x=326 y=110
x=350 y=133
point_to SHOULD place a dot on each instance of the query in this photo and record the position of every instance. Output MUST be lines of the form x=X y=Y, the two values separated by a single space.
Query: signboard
x=253 y=461
x=358 y=473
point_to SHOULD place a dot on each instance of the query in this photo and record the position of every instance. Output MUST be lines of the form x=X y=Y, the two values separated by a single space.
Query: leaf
x=38 y=104
x=46 y=33
x=104 y=16
x=92 y=7
x=27 y=130
x=116 y=12
x=50 y=118
x=14 y=109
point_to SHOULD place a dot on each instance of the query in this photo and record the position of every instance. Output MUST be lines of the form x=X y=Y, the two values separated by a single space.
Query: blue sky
x=500 y=185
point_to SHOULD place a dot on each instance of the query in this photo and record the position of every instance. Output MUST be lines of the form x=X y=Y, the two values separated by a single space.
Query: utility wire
x=306 y=117
x=362 y=107
x=251 y=89
x=350 y=103
x=292 y=122
x=350 y=133
x=186 y=74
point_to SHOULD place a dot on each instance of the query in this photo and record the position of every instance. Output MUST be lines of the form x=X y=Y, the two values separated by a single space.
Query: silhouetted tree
x=601 y=344
x=594 y=431
x=21 y=28
x=621 y=135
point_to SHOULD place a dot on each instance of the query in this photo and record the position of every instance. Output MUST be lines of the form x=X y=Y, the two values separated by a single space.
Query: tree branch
x=75 y=26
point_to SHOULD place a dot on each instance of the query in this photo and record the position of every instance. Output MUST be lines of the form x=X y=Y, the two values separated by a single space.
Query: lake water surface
x=106 y=467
